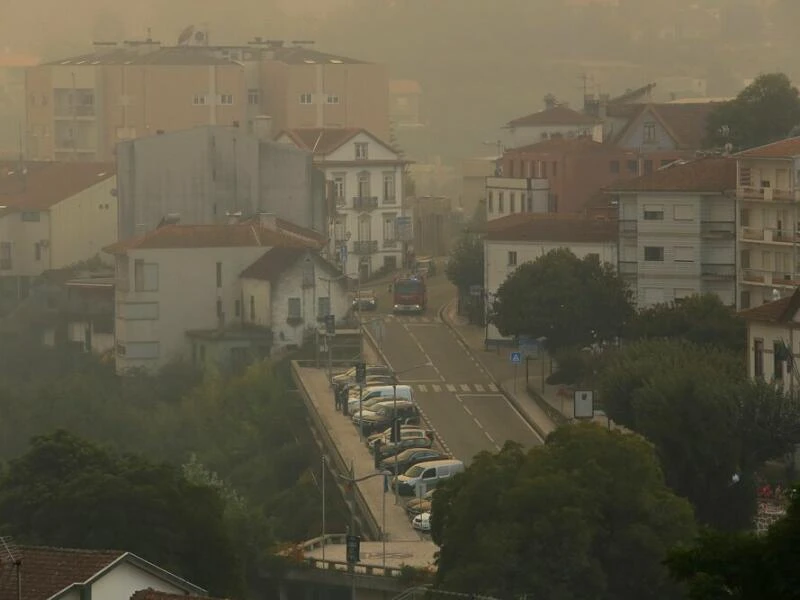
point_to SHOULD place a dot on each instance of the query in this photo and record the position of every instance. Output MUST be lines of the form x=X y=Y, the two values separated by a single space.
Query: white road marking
x=492 y=387
x=422 y=388
x=469 y=412
x=478 y=423
x=436 y=388
x=464 y=387
x=478 y=387
x=451 y=387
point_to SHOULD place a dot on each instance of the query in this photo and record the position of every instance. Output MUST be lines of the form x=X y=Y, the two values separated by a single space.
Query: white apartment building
x=52 y=215
x=366 y=177
x=767 y=194
x=516 y=239
x=554 y=121
x=217 y=293
x=511 y=195
x=677 y=232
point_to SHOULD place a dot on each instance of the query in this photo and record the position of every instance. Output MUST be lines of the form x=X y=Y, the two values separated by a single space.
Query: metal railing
x=365 y=247
x=365 y=202
x=712 y=270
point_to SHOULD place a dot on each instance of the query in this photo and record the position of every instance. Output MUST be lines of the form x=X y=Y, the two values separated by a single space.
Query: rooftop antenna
x=10 y=553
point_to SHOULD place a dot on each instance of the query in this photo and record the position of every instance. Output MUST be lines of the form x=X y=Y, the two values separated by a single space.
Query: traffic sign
x=516 y=358
x=353 y=549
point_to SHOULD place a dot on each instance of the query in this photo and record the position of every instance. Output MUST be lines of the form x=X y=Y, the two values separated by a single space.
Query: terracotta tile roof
x=580 y=144
x=45 y=184
x=272 y=263
x=167 y=56
x=685 y=122
x=788 y=148
x=558 y=115
x=241 y=235
x=715 y=174
x=404 y=86
x=46 y=571
x=321 y=140
x=294 y=229
x=532 y=227
x=151 y=594
x=779 y=311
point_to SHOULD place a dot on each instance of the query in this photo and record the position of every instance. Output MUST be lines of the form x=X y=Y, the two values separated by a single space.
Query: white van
x=404 y=392
x=423 y=477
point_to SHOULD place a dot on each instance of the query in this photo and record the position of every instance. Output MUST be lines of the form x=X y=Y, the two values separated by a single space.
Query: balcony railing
x=80 y=110
x=718 y=229
x=771 y=278
x=390 y=199
x=365 y=247
x=627 y=227
x=770 y=235
x=390 y=243
x=340 y=201
x=718 y=271
x=628 y=268
x=365 y=202
x=767 y=194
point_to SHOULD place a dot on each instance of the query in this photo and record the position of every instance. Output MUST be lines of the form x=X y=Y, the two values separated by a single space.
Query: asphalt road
x=456 y=394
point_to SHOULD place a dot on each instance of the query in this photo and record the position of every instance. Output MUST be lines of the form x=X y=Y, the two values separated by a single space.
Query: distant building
x=212 y=174
x=405 y=98
x=519 y=238
x=436 y=224
x=366 y=178
x=474 y=172
x=510 y=195
x=677 y=232
x=554 y=121
x=12 y=102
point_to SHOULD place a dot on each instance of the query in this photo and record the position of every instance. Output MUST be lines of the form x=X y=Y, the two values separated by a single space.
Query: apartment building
x=555 y=120
x=52 y=215
x=12 y=100
x=366 y=175
x=511 y=195
x=677 y=232
x=523 y=237
x=214 y=173
x=219 y=293
x=79 y=108
x=767 y=193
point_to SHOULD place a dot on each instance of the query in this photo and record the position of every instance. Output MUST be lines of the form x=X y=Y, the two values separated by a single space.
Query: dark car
x=390 y=449
x=417 y=506
x=381 y=415
x=401 y=462
x=365 y=300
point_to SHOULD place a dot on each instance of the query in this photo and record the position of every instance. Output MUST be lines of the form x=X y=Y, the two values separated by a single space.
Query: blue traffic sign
x=516 y=358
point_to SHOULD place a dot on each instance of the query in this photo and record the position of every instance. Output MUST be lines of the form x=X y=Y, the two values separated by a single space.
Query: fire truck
x=410 y=294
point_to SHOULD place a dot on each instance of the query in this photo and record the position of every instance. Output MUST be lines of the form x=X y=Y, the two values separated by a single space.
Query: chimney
x=262 y=127
x=267 y=221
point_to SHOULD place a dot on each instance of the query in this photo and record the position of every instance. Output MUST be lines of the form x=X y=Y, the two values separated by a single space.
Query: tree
x=465 y=267
x=565 y=299
x=587 y=515
x=709 y=424
x=68 y=492
x=700 y=319
x=765 y=111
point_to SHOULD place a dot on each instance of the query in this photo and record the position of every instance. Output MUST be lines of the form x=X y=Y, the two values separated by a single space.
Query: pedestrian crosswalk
x=455 y=388
x=410 y=319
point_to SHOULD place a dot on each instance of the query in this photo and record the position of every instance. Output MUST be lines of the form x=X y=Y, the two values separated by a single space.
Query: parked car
x=381 y=415
x=406 y=431
x=382 y=391
x=408 y=458
x=422 y=522
x=390 y=449
x=365 y=300
x=417 y=506
x=350 y=374
x=371 y=382
x=423 y=477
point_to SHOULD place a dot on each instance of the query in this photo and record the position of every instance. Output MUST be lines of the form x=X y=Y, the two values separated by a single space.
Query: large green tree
x=711 y=426
x=68 y=492
x=465 y=267
x=586 y=516
x=568 y=300
x=765 y=111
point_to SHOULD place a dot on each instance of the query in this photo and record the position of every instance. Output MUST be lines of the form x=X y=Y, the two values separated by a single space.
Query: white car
x=422 y=522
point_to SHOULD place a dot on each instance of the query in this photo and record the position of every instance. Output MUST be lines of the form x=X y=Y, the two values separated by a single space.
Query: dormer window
x=362 y=151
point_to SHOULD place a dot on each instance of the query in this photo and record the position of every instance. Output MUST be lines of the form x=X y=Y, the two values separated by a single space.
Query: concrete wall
x=287 y=186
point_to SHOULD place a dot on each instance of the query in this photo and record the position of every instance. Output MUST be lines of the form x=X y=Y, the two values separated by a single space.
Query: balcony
x=340 y=201
x=770 y=278
x=365 y=247
x=390 y=244
x=628 y=268
x=717 y=271
x=390 y=200
x=718 y=229
x=627 y=227
x=365 y=202
x=769 y=235
x=766 y=194
x=80 y=111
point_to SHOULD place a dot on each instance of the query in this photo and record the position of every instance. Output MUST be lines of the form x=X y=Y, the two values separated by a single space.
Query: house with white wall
x=677 y=231
x=52 y=215
x=773 y=341
x=524 y=237
x=556 y=120
x=181 y=294
x=366 y=178
x=69 y=574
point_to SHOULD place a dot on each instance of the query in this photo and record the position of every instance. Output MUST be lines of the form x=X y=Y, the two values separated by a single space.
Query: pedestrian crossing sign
x=516 y=358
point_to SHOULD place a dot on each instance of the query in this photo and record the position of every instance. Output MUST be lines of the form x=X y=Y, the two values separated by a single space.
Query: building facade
x=12 y=101
x=554 y=121
x=405 y=109
x=366 y=184
x=208 y=174
x=511 y=195
x=677 y=232
x=516 y=239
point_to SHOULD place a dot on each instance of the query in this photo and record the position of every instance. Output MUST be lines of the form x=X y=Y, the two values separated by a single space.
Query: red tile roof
x=322 y=140
x=272 y=263
x=41 y=185
x=532 y=227
x=580 y=144
x=46 y=571
x=685 y=122
x=240 y=235
x=779 y=311
x=788 y=148
x=294 y=229
x=716 y=174
x=151 y=594
x=558 y=115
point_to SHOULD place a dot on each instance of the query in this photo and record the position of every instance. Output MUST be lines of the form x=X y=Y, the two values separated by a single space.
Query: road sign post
x=353 y=549
x=516 y=359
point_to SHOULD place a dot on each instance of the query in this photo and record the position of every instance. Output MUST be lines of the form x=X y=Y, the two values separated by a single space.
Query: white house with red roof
x=366 y=178
x=556 y=120
x=226 y=294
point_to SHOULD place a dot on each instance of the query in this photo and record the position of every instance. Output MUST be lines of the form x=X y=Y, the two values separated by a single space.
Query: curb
x=511 y=399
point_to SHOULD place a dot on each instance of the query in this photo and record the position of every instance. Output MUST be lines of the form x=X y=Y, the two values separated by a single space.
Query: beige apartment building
x=78 y=108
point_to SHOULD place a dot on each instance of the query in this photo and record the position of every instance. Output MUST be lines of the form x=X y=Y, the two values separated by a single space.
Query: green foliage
x=706 y=420
x=575 y=366
x=700 y=319
x=585 y=516
x=69 y=492
x=765 y=111
x=465 y=267
x=571 y=302
x=742 y=565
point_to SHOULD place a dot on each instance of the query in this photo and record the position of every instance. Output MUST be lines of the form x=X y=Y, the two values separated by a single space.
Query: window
x=744 y=299
x=390 y=227
x=365 y=228
x=307 y=98
x=490 y=203
x=653 y=213
x=758 y=358
x=555 y=169
x=362 y=150
x=388 y=188
x=199 y=100
x=778 y=351
x=544 y=169
x=141 y=350
x=5 y=256
x=654 y=253
x=340 y=228
x=512 y=202
x=37 y=251
x=649 y=132
x=226 y=99
x=744 y=258
x=684 y=254
x=390 y=263
x=614 y=166
x=145 y=276
x=332 y=99
x=530 y=202
x=253 y=97
x=683 y=212
x=632 y=166
x=323 y=307
x=219 y=274
x=294 y=308
x=511 y=168
x=500 y=204
x=338 y=188
x=252 y=308
x=363 y=185
x=648 y=167
x=31 y=216
x=512 y=258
